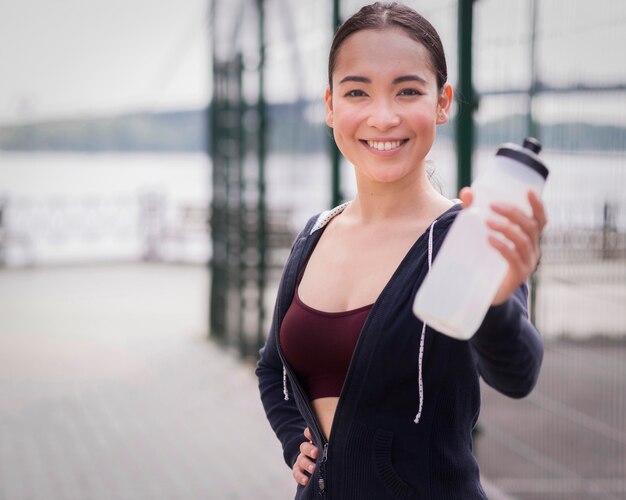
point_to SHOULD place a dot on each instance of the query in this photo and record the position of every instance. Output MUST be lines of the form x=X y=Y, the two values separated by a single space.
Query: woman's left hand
x=522 y=233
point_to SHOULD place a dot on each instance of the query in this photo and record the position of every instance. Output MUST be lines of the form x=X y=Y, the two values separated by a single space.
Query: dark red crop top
x=319 y=345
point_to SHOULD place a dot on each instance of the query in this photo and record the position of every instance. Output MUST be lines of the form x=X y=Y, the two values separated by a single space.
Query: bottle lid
x=526 y=154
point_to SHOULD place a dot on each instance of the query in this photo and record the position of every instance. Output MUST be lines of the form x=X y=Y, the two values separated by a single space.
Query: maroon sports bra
x=319 y=345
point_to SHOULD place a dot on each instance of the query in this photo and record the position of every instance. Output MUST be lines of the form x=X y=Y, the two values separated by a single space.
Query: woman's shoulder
x=450 y=214
x=319 y=220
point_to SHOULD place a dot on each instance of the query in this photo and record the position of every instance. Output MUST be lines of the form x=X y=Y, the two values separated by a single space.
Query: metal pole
x=468 y=104
x=469 y=101
x=241 y=206
x=262 y=138
x=212 y=144
x=531 y=126
x=335 y=156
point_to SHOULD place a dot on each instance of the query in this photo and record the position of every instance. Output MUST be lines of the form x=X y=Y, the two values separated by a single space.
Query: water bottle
x=467 y=271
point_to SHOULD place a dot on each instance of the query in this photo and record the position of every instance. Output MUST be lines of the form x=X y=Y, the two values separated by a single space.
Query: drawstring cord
x=421 y=353
x=285 y=391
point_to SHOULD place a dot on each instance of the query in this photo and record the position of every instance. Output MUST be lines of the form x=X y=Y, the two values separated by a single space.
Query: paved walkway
x=567 y=439
x=109 y=390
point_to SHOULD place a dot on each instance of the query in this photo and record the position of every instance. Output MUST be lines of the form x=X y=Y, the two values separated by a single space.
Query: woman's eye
x=409 y=92
x=355 y=93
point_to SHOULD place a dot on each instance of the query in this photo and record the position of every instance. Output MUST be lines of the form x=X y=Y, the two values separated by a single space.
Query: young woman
x=368 y=402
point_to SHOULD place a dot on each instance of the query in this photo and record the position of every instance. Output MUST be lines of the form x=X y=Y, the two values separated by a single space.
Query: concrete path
x=567 y=439
x=109 y=390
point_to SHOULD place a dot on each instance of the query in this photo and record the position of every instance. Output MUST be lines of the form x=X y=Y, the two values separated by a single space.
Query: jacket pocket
x=399 y=488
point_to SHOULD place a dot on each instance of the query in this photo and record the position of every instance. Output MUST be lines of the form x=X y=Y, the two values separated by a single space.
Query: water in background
x=67 y=207
x=579 y=186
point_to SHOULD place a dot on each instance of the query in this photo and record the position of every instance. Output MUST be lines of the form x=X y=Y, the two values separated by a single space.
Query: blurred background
x=156 y=161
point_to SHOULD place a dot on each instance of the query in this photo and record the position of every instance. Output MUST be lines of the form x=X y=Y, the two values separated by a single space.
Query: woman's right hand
x=306 y=460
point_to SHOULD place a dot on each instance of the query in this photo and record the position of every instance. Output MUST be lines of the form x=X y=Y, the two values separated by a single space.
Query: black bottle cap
x=526 y=155
x=533 y=144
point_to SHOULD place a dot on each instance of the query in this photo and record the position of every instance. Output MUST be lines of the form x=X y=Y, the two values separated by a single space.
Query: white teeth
x=383 y=146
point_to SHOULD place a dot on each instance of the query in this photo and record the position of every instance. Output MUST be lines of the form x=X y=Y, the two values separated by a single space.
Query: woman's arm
x=508 y=349
x=283 y=415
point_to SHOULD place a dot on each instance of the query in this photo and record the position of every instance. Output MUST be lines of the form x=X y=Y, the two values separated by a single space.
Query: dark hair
x=379 y=16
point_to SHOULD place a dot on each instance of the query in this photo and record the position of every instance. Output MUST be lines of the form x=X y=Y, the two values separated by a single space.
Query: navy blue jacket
x=376 y=450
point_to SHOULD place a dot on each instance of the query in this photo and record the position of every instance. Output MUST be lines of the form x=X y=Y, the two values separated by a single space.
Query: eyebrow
x=400 y=79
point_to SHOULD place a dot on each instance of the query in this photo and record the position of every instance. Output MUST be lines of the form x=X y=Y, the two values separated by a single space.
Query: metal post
x=335 y=156
x=262 y=138
x=531 y=126
x=532 y=129
x=240 y=238
x=213 y=144
x=469 y=101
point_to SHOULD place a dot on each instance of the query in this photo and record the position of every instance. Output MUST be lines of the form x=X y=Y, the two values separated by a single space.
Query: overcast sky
x=65 y=57
x=60 y=58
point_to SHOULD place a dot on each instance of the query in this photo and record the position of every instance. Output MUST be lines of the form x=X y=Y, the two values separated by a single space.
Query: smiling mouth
x=385 y=145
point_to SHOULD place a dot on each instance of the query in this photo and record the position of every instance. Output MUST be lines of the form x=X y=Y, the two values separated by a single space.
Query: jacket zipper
x=310 y=416
x=321 y=482
x=317 y=429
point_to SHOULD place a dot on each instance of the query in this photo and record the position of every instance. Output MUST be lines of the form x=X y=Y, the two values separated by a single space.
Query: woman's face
x=385 y=104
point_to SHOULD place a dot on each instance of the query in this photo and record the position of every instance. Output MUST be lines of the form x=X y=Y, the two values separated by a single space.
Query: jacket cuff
x=292 y=450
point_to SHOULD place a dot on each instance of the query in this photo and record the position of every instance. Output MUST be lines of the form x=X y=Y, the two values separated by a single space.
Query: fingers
x=466 y=196
x=308 y=450
x=531 y=226
x=305 y=463
x=539 y=212
x=517 y=264
x=307 y=434
x=298 y=473
x=301 y=468
x=517 y=239
x=521 y=253
x=522 y=233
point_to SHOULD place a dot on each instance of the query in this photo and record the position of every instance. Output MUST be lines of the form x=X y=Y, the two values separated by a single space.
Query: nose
x=383 y=116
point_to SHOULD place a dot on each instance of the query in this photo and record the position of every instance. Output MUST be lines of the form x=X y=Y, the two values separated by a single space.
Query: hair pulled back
x=380 y=16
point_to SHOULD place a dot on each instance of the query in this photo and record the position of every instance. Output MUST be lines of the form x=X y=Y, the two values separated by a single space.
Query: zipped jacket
x=411 y=397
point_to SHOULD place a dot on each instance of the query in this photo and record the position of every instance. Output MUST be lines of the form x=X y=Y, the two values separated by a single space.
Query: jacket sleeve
x=507 y=347
x=283 y=414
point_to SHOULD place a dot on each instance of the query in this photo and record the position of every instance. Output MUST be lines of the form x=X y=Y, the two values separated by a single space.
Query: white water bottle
x=468 y=270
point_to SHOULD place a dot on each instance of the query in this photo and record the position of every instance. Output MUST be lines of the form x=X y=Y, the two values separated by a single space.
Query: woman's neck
x=410 y=199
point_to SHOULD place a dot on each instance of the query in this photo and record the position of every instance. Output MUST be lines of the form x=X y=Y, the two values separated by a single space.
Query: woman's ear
x=444 y=104
x=329 y=108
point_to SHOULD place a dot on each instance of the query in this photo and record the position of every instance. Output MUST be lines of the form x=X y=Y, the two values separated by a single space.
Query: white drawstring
x=285 y=391
x=421 y=353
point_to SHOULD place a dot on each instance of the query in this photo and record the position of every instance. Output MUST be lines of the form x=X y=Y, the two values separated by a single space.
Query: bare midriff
x=325 y=411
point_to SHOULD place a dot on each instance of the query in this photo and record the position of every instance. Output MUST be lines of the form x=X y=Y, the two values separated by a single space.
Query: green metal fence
x=548 y=68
